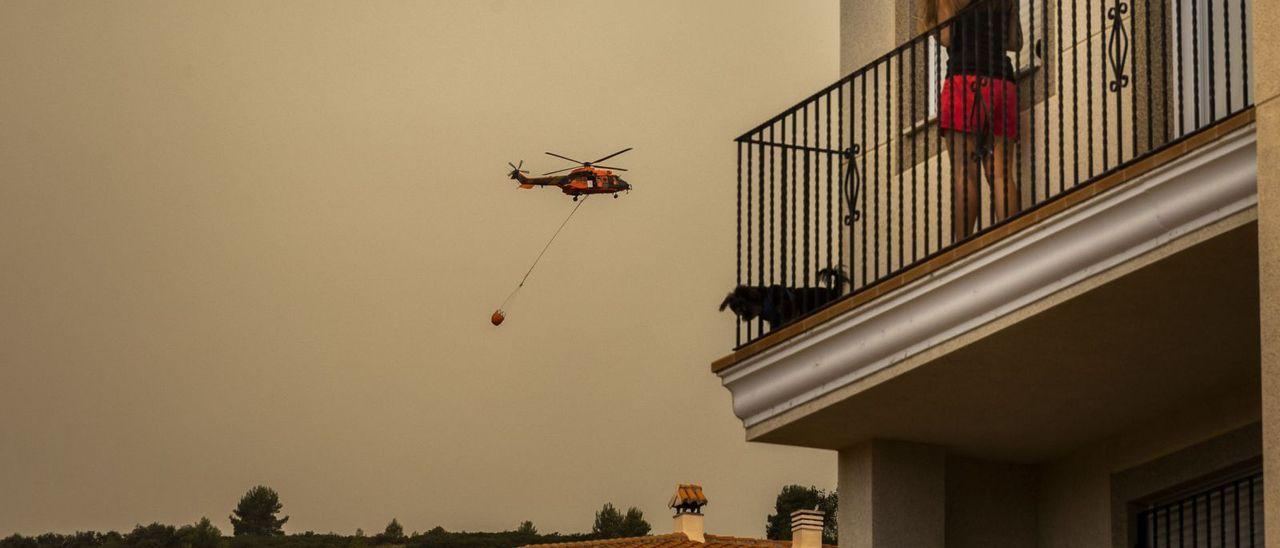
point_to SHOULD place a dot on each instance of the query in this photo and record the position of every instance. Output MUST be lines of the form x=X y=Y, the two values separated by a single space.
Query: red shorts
x=994 y=113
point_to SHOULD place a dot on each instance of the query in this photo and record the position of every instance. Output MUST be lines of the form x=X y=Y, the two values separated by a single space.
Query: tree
x=796 y=497
x=608 y=522
x=256 y=513
x=201 y=535
x=359 y=540
x=18 y=541
x=525 y=534
x=393 y=534
x=82 y=539
x=633 y=524
x=152 y=536
x=436 y=534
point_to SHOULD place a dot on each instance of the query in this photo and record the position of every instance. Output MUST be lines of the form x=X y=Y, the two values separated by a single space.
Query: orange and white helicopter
x=588 y=179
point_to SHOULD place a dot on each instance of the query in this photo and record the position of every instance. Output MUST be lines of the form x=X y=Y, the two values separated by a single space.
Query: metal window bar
x=1228 y=515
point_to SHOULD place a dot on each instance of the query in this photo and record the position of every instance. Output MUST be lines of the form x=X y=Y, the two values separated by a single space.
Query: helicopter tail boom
x=530 y=182
x=518 y=175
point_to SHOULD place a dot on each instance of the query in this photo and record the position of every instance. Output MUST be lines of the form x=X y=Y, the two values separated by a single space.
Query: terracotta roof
x=676 y=540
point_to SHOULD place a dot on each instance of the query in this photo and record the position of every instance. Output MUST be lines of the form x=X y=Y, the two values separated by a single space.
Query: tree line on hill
x=256 y=523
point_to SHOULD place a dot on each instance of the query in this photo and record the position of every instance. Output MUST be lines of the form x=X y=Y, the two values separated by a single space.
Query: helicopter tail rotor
x=516 y=172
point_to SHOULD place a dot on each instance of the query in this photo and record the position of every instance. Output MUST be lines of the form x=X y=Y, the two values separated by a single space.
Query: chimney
x=688 y=502
x=806 y=529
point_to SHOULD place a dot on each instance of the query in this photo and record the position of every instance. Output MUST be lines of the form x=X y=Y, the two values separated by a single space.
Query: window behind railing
x=1226 y=515
x=856 y=184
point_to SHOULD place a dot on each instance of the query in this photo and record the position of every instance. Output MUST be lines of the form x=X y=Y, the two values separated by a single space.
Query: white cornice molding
x=1208 y=185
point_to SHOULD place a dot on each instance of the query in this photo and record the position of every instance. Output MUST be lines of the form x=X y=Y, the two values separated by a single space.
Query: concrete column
x=892 y=494
x=1266 y=17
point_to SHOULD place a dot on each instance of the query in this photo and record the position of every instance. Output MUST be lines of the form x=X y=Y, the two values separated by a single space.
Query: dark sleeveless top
x=977 y=43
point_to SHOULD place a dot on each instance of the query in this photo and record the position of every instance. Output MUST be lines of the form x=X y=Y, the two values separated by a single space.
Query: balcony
x=862 y=252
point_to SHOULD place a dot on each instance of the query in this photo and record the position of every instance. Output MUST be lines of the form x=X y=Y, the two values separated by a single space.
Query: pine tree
x=796 y=497
x=608 y=522
x=256 y=513
x=201 y=535
x=393 y=534
x=633 y=524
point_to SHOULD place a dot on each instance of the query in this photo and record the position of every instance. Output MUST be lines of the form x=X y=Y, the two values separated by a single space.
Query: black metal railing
x=855 y=184
x=1227 y=515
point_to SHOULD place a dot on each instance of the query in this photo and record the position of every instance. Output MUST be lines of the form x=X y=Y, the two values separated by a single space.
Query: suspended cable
x=499 y=315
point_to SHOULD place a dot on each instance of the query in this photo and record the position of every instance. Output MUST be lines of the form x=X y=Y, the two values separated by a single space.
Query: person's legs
x=1005 y=196
x=966 y=175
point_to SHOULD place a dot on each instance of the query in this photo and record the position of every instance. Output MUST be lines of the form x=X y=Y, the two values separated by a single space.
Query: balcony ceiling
x=1181 y=329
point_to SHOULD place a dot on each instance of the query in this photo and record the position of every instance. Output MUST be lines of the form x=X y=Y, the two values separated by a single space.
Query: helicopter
x=587 y=179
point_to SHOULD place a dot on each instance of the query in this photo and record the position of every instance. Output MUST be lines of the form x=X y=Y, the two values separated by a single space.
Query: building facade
x=1092 y=361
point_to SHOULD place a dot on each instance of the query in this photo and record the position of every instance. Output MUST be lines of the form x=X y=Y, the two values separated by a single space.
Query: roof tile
x=676 y=540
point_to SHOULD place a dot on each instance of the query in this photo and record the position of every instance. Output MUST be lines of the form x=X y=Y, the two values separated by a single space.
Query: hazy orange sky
x=259 y=242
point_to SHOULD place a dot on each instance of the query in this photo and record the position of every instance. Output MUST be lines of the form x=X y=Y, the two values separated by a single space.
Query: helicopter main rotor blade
x=607 y=167
x=611 y=155
x=566 y=158
x=558 y=171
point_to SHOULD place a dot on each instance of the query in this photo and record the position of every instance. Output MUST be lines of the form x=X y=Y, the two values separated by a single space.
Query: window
x=1205 y=38
x=1227 y=514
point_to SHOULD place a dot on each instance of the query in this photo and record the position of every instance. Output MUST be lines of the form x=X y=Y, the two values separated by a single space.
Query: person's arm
x=1013 y=34
x=945 y=12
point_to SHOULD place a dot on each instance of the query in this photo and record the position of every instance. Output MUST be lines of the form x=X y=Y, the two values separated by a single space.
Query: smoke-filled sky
x=251 y=242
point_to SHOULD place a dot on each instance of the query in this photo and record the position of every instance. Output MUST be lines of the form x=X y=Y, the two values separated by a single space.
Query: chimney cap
x=807 y=519
x=688 y=499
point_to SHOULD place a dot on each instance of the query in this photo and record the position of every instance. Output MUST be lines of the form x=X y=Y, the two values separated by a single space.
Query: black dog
x=779 y=305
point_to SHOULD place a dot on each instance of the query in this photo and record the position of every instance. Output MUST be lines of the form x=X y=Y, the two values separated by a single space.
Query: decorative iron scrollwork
x=1118 y=48
x=851 y=185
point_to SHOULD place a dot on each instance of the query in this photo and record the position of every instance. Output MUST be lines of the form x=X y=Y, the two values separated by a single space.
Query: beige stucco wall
x=1267 y=53
x=991 y=504
x=1073 y=127
x=868 y=28
x=896 y=493
x=892 y=494
x=1075 y=500
x=903 y=157
x=1074 y=494
x=1072 y=501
